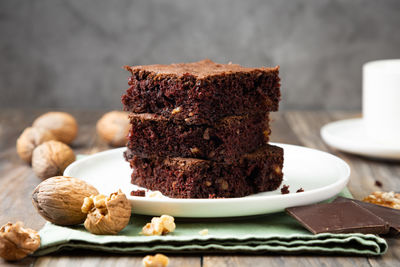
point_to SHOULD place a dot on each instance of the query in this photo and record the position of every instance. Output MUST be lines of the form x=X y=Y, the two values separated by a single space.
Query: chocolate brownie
x=197 y=178
x=201 y=92
x=226 y=141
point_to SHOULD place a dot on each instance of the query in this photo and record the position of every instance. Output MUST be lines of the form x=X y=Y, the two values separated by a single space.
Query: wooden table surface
x=17 y=181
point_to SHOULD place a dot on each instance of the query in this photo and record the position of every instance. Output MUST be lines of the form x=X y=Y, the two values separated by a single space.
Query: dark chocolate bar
x=339 y=217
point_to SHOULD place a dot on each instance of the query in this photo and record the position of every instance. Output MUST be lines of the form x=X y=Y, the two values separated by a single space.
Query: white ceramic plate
x=320 y=174
x=350 y=136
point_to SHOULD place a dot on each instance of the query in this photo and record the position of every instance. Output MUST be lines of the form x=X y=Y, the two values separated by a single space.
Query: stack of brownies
x=201 y=130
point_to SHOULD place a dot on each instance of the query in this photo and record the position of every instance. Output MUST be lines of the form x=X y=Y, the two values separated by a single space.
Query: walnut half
x=17 y=242
x=106 y=215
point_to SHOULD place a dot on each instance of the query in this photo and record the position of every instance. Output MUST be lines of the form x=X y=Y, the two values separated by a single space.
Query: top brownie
x=201 y=92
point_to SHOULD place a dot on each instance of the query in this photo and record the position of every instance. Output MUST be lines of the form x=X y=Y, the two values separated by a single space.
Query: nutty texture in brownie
x=226 y=141
x=201 y=92
x=196 y=178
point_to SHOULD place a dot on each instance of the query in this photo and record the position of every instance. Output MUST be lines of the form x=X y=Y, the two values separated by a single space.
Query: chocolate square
x=389 y=215
x=338 y=217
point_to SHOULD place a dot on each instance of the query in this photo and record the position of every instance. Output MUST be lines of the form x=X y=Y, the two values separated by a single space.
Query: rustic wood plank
x=279 y=261
x=391 y=258
x=281 y=132
x=110 y=260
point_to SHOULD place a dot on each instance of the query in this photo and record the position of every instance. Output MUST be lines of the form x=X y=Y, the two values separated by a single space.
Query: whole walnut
x=59 y=199
x=113 y=128
x=30 y=138
x=51 y=158
x=107 y=215
x=17 y=242
x=63 y=125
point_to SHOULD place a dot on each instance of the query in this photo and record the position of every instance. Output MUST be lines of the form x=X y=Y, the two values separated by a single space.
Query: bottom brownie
x=196 y=178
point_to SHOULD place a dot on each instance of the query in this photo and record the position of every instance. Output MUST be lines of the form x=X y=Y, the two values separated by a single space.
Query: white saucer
x=350 y=136
x=320 y=174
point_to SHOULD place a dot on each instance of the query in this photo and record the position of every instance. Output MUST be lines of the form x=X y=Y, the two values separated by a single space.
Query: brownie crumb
x=285 y=189
x=138 y=193
x=300 y=190
x=378 y=183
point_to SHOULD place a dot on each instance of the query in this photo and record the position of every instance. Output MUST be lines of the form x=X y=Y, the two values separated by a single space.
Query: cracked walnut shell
x=159 y=226
x=59 y=199
x=62 y=125
x=113 y=127
x=17 y=242
x=30 y=138
x=106 y=215
x=51 y=158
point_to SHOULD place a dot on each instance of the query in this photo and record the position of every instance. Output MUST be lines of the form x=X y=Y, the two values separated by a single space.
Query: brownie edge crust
x=196 y=178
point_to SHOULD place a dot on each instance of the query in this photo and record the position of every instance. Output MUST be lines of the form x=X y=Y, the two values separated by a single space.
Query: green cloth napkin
x=273 y=233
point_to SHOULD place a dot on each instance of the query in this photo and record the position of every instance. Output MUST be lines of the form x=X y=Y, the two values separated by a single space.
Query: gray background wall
x=68 y=54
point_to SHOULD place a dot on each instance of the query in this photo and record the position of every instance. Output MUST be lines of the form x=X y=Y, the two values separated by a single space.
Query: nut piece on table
x=30 y=138
x=59 y=199
x=387 y=199
x=159 y=226
x=51 y=158
x=113 y=127
x=158 y=260
x=106 y=215
x=63 y=125
x=17 y=242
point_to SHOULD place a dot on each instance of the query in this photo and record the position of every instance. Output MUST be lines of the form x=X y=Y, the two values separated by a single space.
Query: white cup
x=381 y=100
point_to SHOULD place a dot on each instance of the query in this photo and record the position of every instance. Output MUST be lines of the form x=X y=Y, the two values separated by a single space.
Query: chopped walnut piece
x=223 y=184
x=277 y=169
x=206 y=134
x=203 y=232
x=195 y=150
x=17 y=242
x=159 y=226
x=158 y=260
x=387 y=199
x=176 y=110
x=87 y=204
